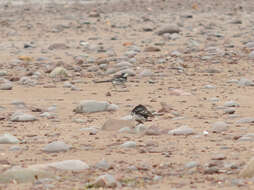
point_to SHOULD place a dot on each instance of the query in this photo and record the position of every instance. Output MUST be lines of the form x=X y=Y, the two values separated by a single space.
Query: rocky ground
x=189 y=62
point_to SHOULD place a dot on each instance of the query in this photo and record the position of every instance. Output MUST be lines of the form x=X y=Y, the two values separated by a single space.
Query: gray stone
x=245 y=82
x=56 y=146
x=191 y=164
x=6 y=86
x=169 y=29
x=247 y=137
x=219 y=126
x=23 y=175
x=231 y=104
x=146 y=73
x=229 y=111
x=90 y=106
x=8 y=139
x=246 y=120
x=68 y=165
x=3 y=73
x=251 y=55
x=106 y=181
x=183 y=130
x=129 y=144
x=59 y=72
x=22 y=117
x=103 y=164
x=27 y=81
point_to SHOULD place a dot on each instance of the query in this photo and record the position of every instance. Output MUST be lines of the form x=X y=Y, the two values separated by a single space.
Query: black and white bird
x=116 y=80
x=141 y=113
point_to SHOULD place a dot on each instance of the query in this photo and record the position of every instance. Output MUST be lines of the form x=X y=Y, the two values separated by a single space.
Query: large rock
x=90 y=106
x=116 y=124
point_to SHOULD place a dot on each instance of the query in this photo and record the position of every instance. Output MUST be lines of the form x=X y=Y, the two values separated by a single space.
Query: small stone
x=245 y=82
x=103 y=165
x=56 y=146
x=22 y=117
x=183 y=130
x=229 y=111
x=219 y=126
x=246 y=120
x=169 y=29
x=146 y=73
x=247 y=137
x=129 y=144
x=231 y=104
x=91 y=106
x=6 y=86
x=59 y=72
x=8 y=139
x=191 y=164
x=219 y=157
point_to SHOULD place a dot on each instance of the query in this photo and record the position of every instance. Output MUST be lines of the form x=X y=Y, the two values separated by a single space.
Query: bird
x=116 y=80
x=141 y=113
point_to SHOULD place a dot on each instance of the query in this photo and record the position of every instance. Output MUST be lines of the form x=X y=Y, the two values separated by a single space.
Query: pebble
x=245 y=82
x=8 y=139
x=56 y=146
x=183 y=130
x=91 y=106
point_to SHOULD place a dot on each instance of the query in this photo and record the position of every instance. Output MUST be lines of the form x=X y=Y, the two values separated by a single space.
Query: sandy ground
x=223 y=27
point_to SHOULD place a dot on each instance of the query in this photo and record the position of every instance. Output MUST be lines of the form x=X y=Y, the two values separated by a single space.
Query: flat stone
x=24 y=175
x=247 y=137
x=56 y=146
x=183 y=130
x=231 y=104
x=68 y=165
x=8 y=139
x=22 y=117
x=91 y=106
x=128 y=144
x=246 y=120
x=104 y=165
